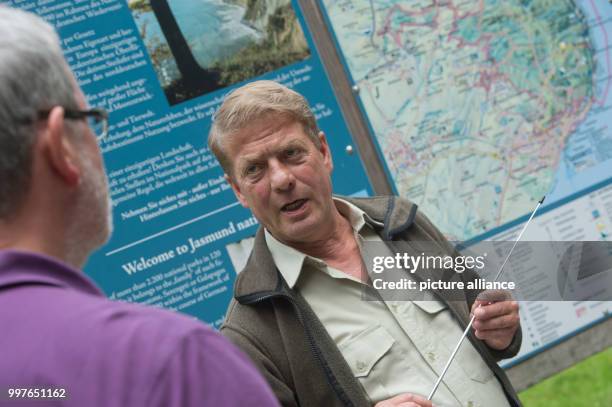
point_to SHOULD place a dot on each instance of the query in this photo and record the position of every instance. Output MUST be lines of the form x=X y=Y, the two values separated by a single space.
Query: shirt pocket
x=363 y=354
x=431 y=307
x=468 y=357
x=473 y=363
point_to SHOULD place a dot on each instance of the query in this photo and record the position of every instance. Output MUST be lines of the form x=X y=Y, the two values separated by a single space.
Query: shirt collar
x=290 y=261
x=355 y=215
x=28 y=268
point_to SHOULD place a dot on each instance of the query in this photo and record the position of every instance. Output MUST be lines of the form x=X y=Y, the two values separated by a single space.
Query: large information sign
x=161 y=68
x=480 y=108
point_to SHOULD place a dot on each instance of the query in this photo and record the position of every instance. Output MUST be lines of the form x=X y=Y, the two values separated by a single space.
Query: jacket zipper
x=313 y=347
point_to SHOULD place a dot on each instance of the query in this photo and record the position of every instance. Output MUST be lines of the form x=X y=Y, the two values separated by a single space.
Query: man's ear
x=236 y=190
x=324 y=150
x=60 y=151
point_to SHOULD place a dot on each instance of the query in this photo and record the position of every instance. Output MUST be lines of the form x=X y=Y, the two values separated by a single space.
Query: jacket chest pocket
x=365 y=354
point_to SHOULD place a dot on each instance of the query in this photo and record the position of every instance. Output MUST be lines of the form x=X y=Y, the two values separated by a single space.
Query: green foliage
x=158 y=50
x=588 y=383
x=256 y=60
x=281 y=47
x=142 y=6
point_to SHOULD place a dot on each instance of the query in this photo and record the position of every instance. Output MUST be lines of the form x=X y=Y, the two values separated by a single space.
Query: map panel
x=480 y=108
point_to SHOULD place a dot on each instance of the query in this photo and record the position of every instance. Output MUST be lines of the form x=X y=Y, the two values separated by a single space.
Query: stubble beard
x=92 y=222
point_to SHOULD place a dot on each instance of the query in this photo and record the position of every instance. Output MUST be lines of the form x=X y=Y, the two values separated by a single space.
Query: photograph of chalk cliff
x=200 y=46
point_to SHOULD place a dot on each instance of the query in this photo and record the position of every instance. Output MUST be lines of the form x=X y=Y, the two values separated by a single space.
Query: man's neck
x=339 y=249
x=11 y=243
x=26 y=234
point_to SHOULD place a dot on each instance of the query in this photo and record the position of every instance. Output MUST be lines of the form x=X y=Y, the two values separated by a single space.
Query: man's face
x=279 y=173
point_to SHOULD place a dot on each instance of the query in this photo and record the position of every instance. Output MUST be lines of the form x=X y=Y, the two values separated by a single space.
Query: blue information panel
x=162 y=68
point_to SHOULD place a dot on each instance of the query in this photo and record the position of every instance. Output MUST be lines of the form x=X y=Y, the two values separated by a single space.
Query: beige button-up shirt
x=392 y=347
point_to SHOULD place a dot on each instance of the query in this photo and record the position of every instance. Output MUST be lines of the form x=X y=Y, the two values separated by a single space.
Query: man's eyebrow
x=251 y=158
x=292 y=143
x=283 y=145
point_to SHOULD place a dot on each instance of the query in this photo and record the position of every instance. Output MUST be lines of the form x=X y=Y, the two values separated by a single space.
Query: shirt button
x=361 y=366
x=470 y=403
x=431 y=356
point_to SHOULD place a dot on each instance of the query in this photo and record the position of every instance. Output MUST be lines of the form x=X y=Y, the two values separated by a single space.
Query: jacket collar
x=260 y=277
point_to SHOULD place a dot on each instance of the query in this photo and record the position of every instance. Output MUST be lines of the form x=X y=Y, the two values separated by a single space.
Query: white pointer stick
x=467 y=329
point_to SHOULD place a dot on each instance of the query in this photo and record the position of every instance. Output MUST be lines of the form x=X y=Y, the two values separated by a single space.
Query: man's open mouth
x=293 y=206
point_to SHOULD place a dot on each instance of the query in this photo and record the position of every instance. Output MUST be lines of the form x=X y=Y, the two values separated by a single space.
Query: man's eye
x=291 y=152
x=251 y=169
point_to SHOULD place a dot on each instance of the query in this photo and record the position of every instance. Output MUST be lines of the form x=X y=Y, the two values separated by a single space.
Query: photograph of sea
x=200 y=46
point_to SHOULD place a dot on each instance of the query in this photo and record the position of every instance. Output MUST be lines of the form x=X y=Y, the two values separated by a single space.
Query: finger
x=406 y=398
x=400 y=398
x=414 y=404
x=502 y=322
x=422 y=401
x=495 y=335
x=497 y=309
x=479 y=304
x=497 y=339
x=494 y=296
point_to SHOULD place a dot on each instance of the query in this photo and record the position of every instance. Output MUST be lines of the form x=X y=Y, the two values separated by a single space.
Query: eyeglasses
x=97 y=119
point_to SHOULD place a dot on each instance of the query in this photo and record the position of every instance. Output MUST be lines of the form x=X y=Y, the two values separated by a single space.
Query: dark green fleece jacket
x=277 y=328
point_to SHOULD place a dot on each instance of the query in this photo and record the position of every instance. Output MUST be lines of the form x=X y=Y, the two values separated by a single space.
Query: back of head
x=33 y=77
x=253 y=101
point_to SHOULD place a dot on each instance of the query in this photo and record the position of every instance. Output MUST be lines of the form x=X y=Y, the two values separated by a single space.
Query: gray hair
x=33 y=77
x=253 y=101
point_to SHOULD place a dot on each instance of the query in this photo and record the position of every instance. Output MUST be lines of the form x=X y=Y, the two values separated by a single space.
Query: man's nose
x=281 y=178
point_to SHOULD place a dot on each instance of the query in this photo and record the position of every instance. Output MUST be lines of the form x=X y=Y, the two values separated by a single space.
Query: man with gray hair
x=298 y=308
x=61 y=342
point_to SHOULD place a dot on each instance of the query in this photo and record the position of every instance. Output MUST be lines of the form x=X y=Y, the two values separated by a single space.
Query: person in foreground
x=298 y=308
x=61 y=342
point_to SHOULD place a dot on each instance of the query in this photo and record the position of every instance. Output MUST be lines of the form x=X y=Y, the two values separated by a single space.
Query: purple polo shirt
x=57 y=330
